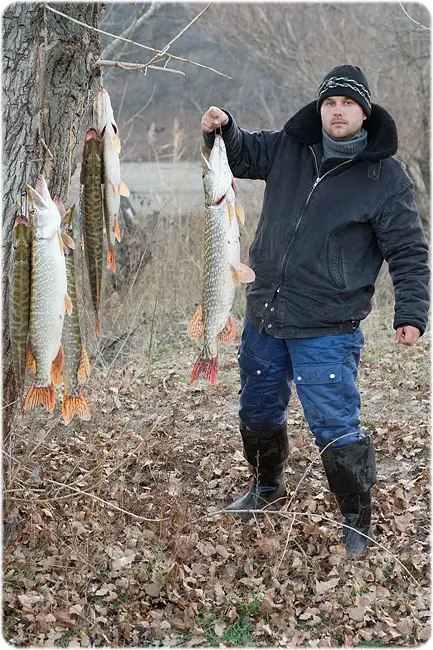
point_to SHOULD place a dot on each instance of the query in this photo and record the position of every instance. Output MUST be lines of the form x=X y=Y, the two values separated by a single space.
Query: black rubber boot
x=266 y=452
x=351 y=473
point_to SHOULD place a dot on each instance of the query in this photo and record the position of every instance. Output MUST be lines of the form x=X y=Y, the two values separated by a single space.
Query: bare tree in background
x=48 y=82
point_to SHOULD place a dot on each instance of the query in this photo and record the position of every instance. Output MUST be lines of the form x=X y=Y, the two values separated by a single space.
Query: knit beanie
x=346 y=81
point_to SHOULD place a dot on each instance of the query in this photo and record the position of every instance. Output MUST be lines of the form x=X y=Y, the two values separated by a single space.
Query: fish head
x=103 y=113
x=43 y=213
x=217 y=175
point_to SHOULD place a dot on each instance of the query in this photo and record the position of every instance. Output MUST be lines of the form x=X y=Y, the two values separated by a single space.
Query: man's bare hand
x=213 y=119
x=407 y=335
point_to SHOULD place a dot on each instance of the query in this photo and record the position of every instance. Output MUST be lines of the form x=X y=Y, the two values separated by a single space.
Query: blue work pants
x=324 y=370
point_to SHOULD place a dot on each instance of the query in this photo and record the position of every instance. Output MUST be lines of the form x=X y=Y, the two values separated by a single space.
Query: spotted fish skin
x=76 y=367
x=222 y=270
x=48 y=299
x=19 y=313
x=93 y=216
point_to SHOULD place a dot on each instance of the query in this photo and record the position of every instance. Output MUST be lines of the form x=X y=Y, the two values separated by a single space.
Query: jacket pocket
x=335 y=261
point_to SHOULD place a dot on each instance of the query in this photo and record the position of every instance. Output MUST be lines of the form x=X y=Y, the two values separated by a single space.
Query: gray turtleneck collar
x=343 y=149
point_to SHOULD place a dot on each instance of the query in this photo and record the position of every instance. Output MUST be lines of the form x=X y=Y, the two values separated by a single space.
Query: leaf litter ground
x=114 y=533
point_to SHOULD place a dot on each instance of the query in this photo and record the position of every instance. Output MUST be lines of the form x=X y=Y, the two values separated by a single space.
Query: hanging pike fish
x=114 y=187
x=76 y=367
x=222 y=270
x=93 y=216
x=48 y=298
x=19 y=279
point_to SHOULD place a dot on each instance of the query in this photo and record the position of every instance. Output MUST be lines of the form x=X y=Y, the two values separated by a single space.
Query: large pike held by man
x=19 y=279
x=93 y=216
x=76 y=367
x=114 y=187
x=222 y=270
x=48 y=298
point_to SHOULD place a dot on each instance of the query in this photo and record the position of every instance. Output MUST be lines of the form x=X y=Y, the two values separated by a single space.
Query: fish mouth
x=91 y=134
x=21 y=220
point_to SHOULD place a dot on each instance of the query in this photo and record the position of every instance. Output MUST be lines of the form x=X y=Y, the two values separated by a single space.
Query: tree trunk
x=49 y=80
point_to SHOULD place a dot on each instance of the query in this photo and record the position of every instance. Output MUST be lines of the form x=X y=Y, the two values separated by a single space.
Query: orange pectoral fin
x=57 y=368
x=68 y=305
x=235 y=275
x=111 y=259
x=232 y=212
x=195 y=327
x=116 y=229
x=240 y=213
x=228 y=334
x=116 y=143
x=59 y=236
x=123 y=189
x=246 y=274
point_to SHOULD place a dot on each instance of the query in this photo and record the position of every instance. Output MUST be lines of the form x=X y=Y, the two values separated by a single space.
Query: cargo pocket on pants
x=320 y=390
x=253 y=377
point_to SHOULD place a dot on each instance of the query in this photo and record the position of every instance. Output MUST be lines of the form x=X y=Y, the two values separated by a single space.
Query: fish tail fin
x=83 y=371
x=75 y=405
x=43 y=395
x=206 y=365
x=111 y=259
x=57 y=368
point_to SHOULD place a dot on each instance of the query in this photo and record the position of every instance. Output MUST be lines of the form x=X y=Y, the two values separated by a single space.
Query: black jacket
x=324 y=230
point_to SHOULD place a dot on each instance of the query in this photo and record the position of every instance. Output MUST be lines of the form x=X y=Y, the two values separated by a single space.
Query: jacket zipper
x=315 y=184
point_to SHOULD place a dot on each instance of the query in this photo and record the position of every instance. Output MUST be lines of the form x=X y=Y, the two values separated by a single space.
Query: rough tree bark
x=48 y=82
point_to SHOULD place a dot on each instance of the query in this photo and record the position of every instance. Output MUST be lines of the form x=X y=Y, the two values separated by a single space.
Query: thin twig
x=413 y=20
x=93 y=496
x=130 y=67
x=143 y=108
x=145 y=47
x=181 y=33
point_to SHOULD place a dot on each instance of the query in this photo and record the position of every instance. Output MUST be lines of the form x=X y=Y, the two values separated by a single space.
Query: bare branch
x=412 y=19
x=130 y=67
x=113 y=47
x=127 y=40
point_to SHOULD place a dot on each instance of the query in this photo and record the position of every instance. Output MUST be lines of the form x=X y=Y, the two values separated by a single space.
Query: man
x=336 y=204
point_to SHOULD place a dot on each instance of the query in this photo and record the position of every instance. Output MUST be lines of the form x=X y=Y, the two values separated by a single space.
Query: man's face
x=342 y=117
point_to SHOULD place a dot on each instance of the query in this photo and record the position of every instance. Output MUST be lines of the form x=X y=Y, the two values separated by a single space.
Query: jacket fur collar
x=382 y=140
